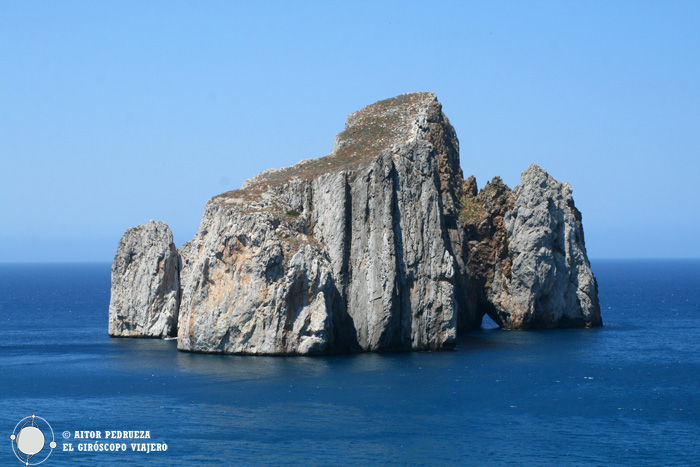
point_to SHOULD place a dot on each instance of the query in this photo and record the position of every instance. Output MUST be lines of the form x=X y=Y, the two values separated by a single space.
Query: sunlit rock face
x=348 y=252
x=379 y=246
x=530 y=255
x=145 y=296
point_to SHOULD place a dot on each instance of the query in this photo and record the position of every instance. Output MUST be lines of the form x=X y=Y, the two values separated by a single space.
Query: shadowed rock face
x=145 y=294
x=379 y=246
x=486 y=241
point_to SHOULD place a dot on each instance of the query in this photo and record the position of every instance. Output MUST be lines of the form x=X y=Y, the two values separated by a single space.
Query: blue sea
x=627 y=394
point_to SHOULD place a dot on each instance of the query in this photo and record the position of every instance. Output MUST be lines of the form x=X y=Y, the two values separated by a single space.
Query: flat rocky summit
x=379 y=246
x=367 y=132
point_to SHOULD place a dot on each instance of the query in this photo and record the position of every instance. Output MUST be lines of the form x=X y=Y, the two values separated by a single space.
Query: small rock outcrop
x=379 y=246
x=145 y=296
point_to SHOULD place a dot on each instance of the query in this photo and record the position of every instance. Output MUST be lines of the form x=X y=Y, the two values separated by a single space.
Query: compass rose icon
x=29 y=440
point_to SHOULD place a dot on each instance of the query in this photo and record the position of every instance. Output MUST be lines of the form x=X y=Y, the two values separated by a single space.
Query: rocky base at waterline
x=379 y=246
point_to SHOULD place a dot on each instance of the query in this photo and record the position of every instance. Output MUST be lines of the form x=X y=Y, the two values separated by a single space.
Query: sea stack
x=145 y=297
x=528 y=256
x=379 y=246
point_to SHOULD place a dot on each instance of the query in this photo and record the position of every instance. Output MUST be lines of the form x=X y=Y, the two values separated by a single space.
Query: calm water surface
x=627 y=394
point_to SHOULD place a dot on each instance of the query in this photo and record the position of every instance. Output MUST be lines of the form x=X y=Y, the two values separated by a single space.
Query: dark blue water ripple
x=627 y=394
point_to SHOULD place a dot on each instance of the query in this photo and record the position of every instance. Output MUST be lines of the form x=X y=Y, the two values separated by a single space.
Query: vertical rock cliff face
x=253 y=282
x=379 y=246
x=348 y=252
x=145 y=295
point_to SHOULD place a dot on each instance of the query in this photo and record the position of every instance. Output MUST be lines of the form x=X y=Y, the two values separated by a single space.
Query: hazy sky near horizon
x=115 y=113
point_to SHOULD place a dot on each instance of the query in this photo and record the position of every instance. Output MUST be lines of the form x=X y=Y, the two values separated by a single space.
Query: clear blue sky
x=115 y=113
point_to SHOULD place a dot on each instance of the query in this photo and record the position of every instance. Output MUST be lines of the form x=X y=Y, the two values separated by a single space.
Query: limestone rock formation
x=348 y=252
x=528 y=256
x=254 y=283
x=482 y=215
x=379 y=246
x=145 y=294
x=547 y=280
